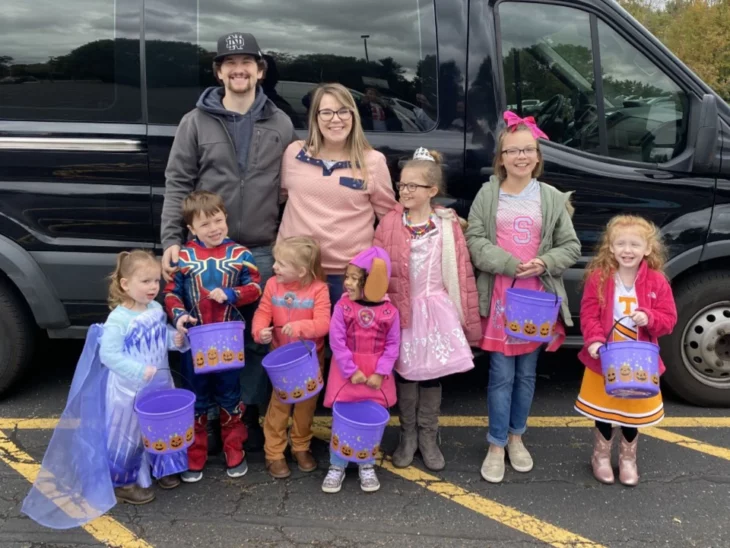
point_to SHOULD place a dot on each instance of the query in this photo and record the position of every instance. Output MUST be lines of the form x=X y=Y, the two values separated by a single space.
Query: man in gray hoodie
x=231 y=143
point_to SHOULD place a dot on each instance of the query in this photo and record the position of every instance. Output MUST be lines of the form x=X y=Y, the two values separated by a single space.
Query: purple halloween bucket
x=531 y=315
x=630 y=369
x=294 y=371
x=357 y=429
x=166 y=419
x=218 y=346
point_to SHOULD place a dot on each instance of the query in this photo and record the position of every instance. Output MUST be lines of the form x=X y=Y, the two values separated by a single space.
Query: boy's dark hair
x=202 y=202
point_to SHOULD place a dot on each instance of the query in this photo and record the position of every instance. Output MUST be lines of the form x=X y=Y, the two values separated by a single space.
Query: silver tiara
x=423 y=154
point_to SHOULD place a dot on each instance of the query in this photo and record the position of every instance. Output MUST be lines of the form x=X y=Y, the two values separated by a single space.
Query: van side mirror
x=707 y=134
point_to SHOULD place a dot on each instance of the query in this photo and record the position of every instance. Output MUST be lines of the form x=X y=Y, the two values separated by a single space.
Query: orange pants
x=277 y=421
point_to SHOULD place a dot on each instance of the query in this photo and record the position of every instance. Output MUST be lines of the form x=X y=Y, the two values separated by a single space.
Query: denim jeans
x=336 y=460
x=254 y=381
x=336 y=285
x=509 y=395
x=211 y=390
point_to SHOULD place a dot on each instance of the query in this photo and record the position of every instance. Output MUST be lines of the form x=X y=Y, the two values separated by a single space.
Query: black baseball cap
x=237 y=43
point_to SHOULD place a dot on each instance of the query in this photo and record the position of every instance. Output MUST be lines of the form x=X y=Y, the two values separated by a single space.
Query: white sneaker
x=493 y=467
x=368 y=478
x=333 y=481
x=519 y=456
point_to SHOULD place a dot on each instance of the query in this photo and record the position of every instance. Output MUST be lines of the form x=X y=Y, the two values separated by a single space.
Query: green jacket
x=559 y=247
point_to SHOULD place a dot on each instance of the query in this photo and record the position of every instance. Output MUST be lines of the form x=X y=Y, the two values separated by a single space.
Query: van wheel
x=697 y=353
x=16 y=342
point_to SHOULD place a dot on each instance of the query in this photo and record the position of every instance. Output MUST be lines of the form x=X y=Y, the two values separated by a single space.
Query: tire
x=18 y=334
x=697 y=353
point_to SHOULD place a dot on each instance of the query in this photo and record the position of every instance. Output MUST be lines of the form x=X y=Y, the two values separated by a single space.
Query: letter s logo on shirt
x=522 y=226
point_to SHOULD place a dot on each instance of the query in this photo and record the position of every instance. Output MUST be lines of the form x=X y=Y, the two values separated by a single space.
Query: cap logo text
x=234 y=41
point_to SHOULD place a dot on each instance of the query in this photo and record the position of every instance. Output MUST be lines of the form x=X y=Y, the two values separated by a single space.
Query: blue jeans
x=213 y=389
x=336 y=285
x=509 y=394
x=336 y=460
x=254 y=381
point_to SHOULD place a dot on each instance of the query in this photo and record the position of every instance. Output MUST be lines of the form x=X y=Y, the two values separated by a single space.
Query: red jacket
x=395 y=238
x=654 y=296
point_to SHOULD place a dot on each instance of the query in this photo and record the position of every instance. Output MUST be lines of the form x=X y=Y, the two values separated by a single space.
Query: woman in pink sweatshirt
x=335 y=183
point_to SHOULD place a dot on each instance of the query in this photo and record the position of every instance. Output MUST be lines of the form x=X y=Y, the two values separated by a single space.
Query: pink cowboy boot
x=601 y=459
x=628 y=472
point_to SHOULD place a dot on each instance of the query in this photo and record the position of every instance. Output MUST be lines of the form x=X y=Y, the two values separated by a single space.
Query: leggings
x=606 y=429
x=432 y=383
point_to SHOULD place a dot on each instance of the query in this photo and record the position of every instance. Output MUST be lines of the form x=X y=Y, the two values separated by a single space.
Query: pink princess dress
x=519 y=231
x=434 y=345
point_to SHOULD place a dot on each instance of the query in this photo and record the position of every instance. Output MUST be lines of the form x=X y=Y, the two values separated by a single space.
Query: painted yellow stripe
x=445 y=421
x=689 y=443
x=104 y=529
x=506 y=515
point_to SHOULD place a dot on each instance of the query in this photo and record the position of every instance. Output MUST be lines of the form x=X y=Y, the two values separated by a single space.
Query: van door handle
x=656 y=174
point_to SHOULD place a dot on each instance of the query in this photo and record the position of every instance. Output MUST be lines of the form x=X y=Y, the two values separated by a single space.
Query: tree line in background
x=696 y=31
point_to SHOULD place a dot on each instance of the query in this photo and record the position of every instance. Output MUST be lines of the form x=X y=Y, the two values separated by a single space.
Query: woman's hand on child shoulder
x=182 y=320
x=374 y=381
x=149 y=372
x=593 y=349
x=218 y=295
x=530 y=269
x=358 y=377
x=266 y=335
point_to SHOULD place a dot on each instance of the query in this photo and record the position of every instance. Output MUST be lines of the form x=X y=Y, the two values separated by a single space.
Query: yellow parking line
x=689 y=443
x=104 y=529
x=506 y=515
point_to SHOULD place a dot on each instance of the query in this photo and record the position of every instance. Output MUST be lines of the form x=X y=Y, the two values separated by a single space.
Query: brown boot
x=601 y=459
x=169 y=482
x=134 y=494
x=305 y=460
x=628 y=472
x=278 y=469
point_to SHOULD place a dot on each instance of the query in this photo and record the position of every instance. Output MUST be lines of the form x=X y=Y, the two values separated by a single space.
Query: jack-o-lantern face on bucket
x=189 y=434
x=311 y=385
x=283 y=395
x=529 y=329
x=320 y=380
x=362 y=455
x=641 y=376
x=375 y=451
x=335 y=441
x=199 y=359
x=297 y=393
x=240 y=356
x=228 y=356
x=159 y=445
x=145 y=442
x=611 y=374
x=346 y=450
x=545 y=329
x=655 y=379
x=514 y=326
x=625 y=372
x=212 y=357
x=176 y=442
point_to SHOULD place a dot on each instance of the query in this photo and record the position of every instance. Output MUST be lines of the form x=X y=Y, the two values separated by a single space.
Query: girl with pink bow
x=520 y=232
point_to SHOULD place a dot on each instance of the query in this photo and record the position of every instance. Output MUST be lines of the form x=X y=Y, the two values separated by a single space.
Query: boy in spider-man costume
x=215 y=276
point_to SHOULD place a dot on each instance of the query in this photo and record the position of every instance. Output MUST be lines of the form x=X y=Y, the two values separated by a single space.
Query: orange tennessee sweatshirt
x=306 y=308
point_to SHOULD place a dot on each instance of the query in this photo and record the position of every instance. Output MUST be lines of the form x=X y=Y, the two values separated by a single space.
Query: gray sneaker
x=333 y=480
x=493 y=467
x=238 y=471
x=519 y=456
x=368 y=479
x=191 y=476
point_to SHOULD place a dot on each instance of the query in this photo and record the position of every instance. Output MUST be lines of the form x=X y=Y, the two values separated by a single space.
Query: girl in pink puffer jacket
x=432 y=285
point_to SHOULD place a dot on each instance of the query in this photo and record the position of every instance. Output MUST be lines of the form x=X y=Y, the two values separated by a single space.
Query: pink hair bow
x=513 y=121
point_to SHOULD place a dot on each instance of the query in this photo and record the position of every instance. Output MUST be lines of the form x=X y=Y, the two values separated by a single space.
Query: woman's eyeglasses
x=411 y=187
x=327 y=114
x=515 y=152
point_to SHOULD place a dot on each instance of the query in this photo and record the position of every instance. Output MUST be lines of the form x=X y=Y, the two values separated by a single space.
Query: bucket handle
x=610 y=333
x=514 y=280
x=334 y=401
x=197 y=316
x=301 y=340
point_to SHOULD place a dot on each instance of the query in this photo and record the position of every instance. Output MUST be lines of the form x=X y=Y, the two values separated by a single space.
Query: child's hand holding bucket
x=374 y=381
x=218 y=295
x=266 y=335
x=358 y=377
x=288 y=330
x=149 y=372
x=640 y=318
x=593 y=350
x=179 y=339
x=530 y=269
x=182 y=320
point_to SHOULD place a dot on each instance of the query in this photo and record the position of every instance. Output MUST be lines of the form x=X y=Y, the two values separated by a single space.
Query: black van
x=91 y=92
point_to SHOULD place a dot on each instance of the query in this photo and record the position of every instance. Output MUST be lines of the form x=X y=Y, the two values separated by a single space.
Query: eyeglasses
x=515 y=152
x=327 y=114
x=412 y=187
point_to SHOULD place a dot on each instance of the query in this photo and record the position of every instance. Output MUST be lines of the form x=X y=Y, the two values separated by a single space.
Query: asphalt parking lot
x=683 y=498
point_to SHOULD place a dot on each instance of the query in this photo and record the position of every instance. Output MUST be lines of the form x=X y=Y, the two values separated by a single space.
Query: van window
x=70 y=60
x=548 y=64
x=385 y=54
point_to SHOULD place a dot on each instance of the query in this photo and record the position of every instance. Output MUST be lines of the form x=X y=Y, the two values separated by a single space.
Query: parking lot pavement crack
x=281 y=507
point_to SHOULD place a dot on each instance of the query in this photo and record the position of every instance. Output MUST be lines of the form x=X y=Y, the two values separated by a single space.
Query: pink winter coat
x=395 y=238
x=654 y=296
